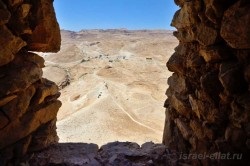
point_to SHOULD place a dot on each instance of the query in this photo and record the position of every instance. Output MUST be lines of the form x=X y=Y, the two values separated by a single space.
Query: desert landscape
x=112 y=84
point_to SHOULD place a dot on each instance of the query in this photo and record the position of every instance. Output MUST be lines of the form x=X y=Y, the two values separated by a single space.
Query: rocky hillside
x=112 y=84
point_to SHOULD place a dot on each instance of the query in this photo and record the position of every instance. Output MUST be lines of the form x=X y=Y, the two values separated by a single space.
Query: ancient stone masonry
x=111 y=154
x=28 y=102
x=208 y=105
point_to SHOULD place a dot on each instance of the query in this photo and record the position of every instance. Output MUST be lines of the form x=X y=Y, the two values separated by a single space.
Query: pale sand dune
x=117 y=85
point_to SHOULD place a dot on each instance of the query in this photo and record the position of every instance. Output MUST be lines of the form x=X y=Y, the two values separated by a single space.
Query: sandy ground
x=118 y=80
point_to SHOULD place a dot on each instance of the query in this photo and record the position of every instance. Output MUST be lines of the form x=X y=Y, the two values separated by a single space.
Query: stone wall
x=208 y=105
x=28 y=102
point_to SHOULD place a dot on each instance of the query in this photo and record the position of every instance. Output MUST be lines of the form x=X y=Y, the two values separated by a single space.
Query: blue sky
x=109 y=14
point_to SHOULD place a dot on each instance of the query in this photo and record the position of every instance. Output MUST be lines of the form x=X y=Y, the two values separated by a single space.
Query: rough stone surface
x=231 y=78
x=111 y=154
x=28 y=102
x=4 y=16
x=9 y=45
x=214 y=54
x=207 y=109
x=44 y=23
x=234 y=29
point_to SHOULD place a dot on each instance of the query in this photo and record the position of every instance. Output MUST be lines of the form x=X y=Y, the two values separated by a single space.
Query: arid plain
x=113 y=84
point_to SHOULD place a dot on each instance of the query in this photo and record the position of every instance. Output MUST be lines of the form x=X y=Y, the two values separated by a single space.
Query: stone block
x=195 y=105
x=44 y=137
x=194 y=61
x=180 y=105
x=45 y=36
x=185 y=35
x=4 y=16
x=184 y=128
x=197 y=129
x=212 y=54
x=186 y=17
x=205 y=35
x=20 y=103
x=47 y=89
x=176 y=64
x=9 y=45
x=178 y=84
x=232 y=78
x=234 y=29
x=211 y=85
x=23 y=11
x=34 y=58
x=214 y=10
x=28 y=123
x=14 y=82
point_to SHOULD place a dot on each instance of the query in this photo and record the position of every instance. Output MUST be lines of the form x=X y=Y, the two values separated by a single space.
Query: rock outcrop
x=28 y=102
x=208 y=105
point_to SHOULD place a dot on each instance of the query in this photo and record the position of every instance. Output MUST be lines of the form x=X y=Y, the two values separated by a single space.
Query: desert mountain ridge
x=118 y=30
x=113 y=84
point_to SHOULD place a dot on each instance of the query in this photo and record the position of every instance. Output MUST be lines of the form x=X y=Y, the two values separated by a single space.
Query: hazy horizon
x=106 y=29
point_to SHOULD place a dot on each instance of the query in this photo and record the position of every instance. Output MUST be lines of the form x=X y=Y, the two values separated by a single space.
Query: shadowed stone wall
x=28 y=102
x=208 y=105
